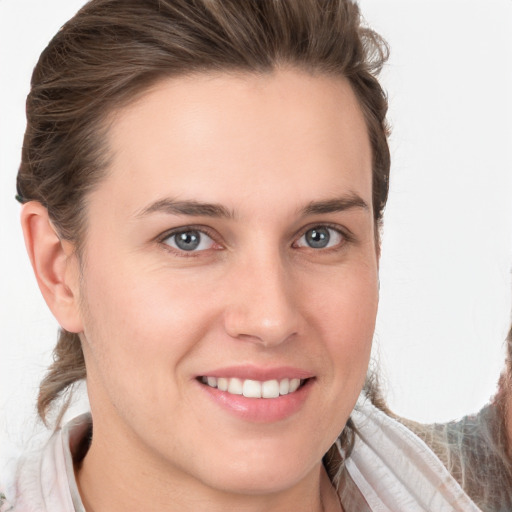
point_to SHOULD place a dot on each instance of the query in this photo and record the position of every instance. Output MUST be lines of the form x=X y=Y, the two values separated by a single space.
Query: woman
x=203 y=184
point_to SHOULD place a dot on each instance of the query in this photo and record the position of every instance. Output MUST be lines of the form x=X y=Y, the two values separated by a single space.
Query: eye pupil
x=188 y=240
x=318 y=238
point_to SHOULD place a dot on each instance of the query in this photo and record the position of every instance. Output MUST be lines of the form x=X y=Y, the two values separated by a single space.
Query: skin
x=151 y=318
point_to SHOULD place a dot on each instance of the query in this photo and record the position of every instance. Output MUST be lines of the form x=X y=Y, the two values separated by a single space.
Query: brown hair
x=111 y=51
x=503 y=398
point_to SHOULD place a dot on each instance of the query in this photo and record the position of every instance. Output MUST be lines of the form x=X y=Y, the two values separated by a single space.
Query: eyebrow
x=198 y=209
x=187 y=207
x=339 y=204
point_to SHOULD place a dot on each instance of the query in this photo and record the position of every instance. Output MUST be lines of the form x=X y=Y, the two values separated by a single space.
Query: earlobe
x=55 y=266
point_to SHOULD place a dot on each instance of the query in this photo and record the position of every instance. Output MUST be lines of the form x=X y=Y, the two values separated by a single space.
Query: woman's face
x=231 y=245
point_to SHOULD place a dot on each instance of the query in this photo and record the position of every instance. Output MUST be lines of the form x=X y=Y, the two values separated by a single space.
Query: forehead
x=240 y=137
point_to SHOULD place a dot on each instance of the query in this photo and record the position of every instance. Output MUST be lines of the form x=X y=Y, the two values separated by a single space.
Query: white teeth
x=222 y=384
x=253 y=388
x=270 y=389
x=294 y=385
x=284 y=387
x=235 y=386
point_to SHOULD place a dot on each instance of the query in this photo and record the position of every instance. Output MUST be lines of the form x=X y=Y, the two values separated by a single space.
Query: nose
x=262 y=306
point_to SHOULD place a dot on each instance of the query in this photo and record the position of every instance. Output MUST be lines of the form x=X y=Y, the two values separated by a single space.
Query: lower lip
x=260 y=410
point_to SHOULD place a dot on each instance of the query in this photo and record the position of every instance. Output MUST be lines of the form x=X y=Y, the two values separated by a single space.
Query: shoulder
x=43 y=479
x=474 y=451
x=9 y=463
x=20 y=482
x=392 y=465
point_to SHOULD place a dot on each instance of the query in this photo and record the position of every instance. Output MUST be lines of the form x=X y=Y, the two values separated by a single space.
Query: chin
x=261 y=473
x=260 y=481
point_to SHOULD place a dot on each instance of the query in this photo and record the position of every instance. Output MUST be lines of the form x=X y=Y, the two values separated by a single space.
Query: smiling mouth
x=254 y=388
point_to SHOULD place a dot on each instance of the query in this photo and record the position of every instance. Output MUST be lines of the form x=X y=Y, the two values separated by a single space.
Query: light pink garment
x=46 y=483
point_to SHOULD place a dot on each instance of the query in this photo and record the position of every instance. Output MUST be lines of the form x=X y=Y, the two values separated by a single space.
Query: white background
x=447 y=245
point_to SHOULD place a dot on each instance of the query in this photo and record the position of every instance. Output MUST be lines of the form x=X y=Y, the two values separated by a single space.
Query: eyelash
x=203 y=230
x=345 y=236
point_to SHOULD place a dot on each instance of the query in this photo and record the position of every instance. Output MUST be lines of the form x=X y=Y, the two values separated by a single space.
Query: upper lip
x=259 y=373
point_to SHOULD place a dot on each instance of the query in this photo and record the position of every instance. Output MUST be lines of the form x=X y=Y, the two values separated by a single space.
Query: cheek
x=345 y=312
x=129 y=296
x=137 y=336
x=137 y=320
x=128 y=321
x=142 y=325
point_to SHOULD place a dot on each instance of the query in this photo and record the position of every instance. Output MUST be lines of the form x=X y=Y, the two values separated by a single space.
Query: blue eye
x=189 y=240
x=320 y=237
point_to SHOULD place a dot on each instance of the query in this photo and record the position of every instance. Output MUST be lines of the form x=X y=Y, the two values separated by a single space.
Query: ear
x=55 y=266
